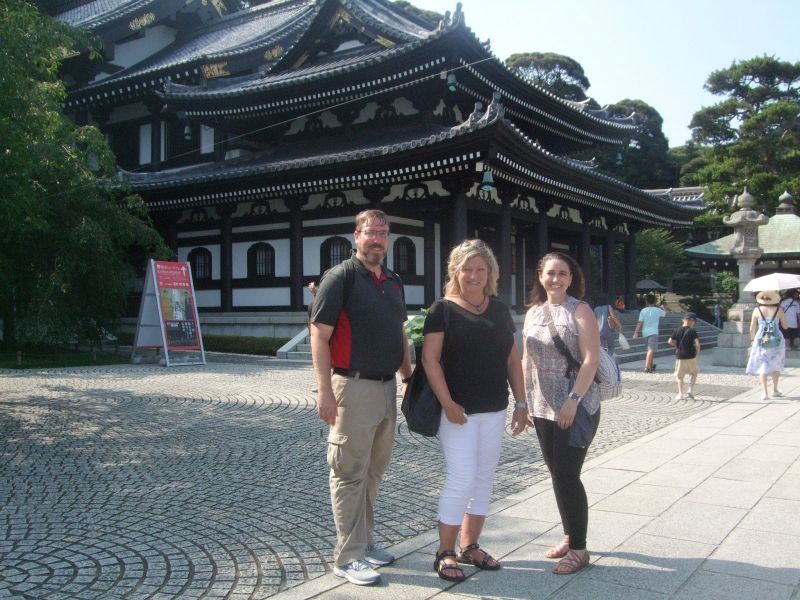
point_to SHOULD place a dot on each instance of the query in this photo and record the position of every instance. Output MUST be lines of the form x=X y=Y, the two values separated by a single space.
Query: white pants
x=471 y=453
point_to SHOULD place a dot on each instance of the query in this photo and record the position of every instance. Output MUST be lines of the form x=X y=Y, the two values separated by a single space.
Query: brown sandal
x=488 y=563
x=559 y=550
x=440 y=566
x=572 y=563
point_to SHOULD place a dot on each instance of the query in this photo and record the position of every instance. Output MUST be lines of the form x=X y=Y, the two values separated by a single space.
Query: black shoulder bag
x=420 y=406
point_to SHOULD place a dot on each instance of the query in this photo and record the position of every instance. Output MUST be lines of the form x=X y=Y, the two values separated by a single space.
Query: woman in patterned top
x=555 y=390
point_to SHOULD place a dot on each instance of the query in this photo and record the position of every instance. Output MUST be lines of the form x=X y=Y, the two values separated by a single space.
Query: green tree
x=66 y=232
x=658 y=255
x=644 y=160
x=559 y=74
x=430 y=16
x=751 y=138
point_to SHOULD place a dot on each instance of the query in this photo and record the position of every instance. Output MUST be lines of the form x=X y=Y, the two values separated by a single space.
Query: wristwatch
x=574 y=396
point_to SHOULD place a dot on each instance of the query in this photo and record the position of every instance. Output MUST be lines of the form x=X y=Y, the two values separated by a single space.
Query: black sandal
x=484 y=564
x=440 y=566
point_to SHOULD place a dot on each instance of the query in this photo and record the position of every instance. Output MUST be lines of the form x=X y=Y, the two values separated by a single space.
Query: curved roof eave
x=160 y=66
x=579 y=191
x=640 y=204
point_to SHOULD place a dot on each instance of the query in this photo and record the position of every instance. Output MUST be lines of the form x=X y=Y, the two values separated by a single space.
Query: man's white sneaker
x=777 y=394
x=690 y=395
x=358 y=572
x=679 y=397
x=377 y=556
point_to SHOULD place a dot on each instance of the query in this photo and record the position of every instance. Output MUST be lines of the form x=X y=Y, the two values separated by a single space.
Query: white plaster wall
x=206 y=139
x=415 y=294
x=262 y=297
x=207 y=298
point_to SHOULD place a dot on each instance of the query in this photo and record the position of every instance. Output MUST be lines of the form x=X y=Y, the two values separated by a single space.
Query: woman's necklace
x=478 y=307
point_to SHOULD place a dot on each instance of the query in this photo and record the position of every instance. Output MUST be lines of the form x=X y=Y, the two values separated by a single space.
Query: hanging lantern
x=487 y=182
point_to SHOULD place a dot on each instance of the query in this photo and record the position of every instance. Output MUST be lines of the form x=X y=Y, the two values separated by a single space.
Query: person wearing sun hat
x=767 y=352
x=687 y=347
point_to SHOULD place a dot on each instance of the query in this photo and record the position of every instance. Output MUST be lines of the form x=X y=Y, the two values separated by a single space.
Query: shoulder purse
x=607 y=378
x=420 y=406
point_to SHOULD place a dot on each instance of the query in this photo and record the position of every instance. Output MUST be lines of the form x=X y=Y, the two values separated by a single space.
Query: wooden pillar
x=458 y=219
x=220 y=142
x=429 y=259
x=586 y=242
x=226 y=258
x=520 y=241
x=608 y=268
x=630 y=268
x=542 y=236
x=295 y=205
x=504 y=231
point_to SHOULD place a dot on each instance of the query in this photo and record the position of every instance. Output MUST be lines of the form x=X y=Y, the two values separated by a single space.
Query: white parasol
x=773 y=281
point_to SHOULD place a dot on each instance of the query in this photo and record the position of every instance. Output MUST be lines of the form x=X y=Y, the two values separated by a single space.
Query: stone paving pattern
x=211 y=482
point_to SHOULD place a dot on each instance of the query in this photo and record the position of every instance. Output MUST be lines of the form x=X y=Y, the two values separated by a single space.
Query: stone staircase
x=299 y=348
x=706 y=331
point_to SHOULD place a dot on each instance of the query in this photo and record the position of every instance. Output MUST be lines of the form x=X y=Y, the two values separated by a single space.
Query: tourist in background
x=609 y=324
x=767 y=351
x=470 y=358
x=649 y=319
x=791 y=308
x=556 y=392
x=687 y=348
x=716 y=311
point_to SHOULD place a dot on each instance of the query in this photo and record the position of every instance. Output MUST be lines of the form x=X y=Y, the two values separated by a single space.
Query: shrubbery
x=237 y=344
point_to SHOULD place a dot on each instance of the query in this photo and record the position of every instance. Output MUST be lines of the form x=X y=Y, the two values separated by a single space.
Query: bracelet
x=520 y=405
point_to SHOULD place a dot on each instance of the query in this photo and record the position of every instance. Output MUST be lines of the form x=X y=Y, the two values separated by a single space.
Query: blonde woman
x=470 y=359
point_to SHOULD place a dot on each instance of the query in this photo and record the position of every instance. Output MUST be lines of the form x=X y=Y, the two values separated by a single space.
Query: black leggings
x=565 y=463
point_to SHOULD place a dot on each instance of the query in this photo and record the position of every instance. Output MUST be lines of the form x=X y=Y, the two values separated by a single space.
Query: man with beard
x=357 y=347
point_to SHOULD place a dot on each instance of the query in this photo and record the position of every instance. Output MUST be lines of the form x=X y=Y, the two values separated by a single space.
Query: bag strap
x=572 y=364
x=765 y=318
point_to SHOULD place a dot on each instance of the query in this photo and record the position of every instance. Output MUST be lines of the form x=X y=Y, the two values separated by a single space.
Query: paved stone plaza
x=210 y=481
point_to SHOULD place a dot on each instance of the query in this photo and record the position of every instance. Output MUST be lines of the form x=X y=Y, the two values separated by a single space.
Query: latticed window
x=261 y=260
x=333 y=251
x=200 y=261
x=405 y=257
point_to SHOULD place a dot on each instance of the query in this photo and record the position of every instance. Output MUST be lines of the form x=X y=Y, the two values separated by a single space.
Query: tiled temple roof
x=779 y=238
x=94 y=14
x=285 y=22
x=239 y=33
x=364 y=149
x=693 y=196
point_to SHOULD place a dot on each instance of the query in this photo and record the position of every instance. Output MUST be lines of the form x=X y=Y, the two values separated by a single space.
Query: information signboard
x=168 y=312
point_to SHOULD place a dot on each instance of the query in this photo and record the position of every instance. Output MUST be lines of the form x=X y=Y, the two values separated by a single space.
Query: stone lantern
x=734 y=341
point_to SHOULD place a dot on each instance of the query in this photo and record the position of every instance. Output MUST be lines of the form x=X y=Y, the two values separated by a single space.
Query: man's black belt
x=360 y=375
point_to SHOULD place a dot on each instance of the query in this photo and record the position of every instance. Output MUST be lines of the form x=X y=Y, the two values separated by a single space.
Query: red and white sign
x=176 y=297
x=168 y=312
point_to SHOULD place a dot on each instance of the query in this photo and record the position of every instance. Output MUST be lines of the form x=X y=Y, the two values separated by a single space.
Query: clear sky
x=658 y=51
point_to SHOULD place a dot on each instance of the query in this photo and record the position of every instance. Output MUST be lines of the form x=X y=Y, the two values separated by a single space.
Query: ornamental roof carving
x=517 y=160
x=281 y=40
